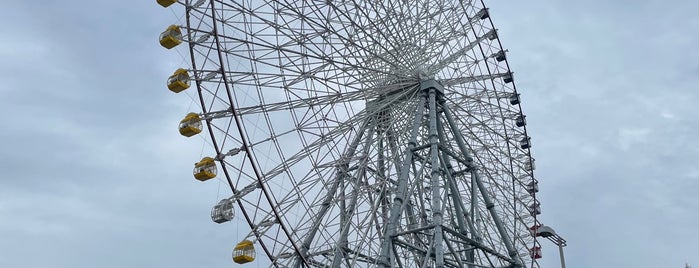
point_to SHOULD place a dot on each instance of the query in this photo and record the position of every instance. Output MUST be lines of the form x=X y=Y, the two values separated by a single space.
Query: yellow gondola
x=244 y=252
x=205 y=169
x=166 y=3
x=171 y=37
x=178 y=81
x=190 y=125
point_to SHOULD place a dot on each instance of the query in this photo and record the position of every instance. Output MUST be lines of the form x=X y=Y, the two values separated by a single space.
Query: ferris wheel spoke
x=449 y=59
x=339 y=131
x=491 y=105
x=339 y=177
x=287 y=50
x=469 y=79
x=363 y=30
x=497 y=187
x=304 y=103
x=349 y=211
x=362 y=172
x=508 y=172
x=264 y=47
x=476 y=131
x=331 y=191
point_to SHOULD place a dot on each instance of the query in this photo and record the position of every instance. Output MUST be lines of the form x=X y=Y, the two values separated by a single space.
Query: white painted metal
x=366 y=133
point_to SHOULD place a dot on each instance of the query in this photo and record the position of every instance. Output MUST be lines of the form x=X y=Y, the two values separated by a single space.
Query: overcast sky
x=96 y=175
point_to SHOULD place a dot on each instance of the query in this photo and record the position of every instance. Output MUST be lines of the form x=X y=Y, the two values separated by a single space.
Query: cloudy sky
x=96 y=174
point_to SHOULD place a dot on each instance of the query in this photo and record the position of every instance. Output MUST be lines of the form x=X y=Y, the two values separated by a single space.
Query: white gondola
x=533 y=187
x=500 y=56
x=508 y=78
x=521 y=120
x=514 y=99
x=223 y=211
x=525 y=143
x=535 y=209
x=529 y=165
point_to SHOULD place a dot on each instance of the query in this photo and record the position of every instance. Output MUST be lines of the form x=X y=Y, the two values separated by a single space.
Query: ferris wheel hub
x=430 y=84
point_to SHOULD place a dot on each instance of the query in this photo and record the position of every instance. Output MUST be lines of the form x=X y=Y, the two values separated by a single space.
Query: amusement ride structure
x=362 y=133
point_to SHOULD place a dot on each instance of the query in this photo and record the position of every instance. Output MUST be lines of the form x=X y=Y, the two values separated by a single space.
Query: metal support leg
x=435 y=181
x=459 y=206
x=484 y=192
x=397 y=206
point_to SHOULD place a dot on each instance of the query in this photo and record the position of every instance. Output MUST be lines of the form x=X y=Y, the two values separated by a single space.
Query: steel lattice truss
x=366 y=133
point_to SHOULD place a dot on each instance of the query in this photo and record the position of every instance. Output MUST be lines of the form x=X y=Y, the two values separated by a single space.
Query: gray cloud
x=96 y=175
x=609 y=91
x=95 y=172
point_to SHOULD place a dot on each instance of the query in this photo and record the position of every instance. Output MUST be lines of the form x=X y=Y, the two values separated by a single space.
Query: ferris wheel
x=362 y=133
